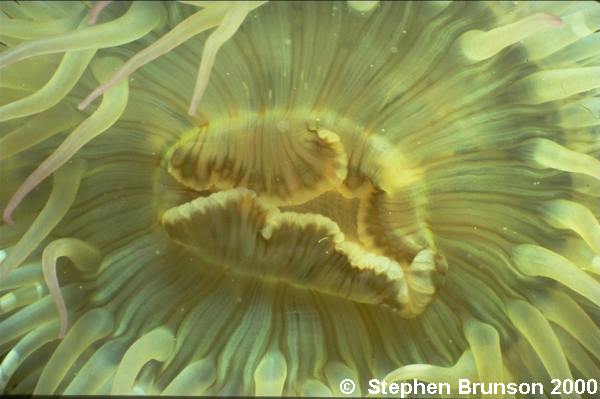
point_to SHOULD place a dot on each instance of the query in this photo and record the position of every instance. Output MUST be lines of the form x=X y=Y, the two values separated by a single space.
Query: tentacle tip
x=83 y=105
x=7 y=217
x=552 y=20
x=63 y=328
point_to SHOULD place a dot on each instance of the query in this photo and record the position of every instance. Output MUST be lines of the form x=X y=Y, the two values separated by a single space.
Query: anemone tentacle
x=273 y=197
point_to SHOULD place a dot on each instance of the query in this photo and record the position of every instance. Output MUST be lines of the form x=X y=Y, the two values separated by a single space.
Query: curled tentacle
x=64 y=189
x=140 y=19
x=105 y=116
x=83 y=256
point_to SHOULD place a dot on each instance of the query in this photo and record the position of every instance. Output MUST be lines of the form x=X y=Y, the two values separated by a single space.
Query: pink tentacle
x=96 y=10
x=49 y=271
x=44 y=170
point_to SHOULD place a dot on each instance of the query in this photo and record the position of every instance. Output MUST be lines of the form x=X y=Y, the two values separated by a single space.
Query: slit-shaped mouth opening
x=281 y=208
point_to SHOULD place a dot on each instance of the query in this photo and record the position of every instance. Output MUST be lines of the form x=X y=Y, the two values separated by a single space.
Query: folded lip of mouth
x=377 y=251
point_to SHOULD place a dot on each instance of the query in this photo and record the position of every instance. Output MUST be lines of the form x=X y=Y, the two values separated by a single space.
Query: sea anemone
x=271 y=198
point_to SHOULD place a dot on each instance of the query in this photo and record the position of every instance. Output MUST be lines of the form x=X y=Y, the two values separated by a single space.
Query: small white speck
x=40 y=289
x=394 y=49
x=157 y=252
x=287 y=42
x=404 y=32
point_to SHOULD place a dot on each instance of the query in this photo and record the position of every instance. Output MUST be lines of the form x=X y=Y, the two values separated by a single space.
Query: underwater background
x=267 y=198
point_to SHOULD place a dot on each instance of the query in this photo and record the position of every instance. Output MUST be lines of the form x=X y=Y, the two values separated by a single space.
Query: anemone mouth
x=297 y=163
x=304 y=250
x=272 y=198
